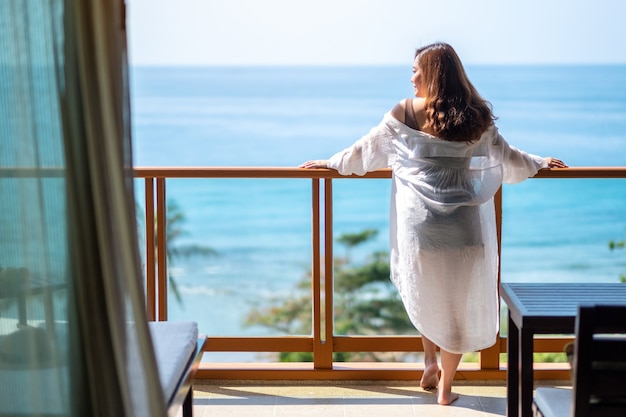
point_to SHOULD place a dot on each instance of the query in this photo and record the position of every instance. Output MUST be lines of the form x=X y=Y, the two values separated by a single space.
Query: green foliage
x=550 y=357
x=354 y=239
x=616 y=245
x=540 y=357
x=365 y=302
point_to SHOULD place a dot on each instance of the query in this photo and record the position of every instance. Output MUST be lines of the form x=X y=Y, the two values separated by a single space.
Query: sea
x=259 y=230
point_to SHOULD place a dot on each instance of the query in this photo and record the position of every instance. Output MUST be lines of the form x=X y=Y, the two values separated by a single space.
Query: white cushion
x=174 y=345
x=553 y=402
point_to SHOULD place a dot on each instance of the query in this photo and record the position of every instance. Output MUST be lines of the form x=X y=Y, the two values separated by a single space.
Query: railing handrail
x=583 y=172
x=288 y=172
x=292 y=172
x=248 y=172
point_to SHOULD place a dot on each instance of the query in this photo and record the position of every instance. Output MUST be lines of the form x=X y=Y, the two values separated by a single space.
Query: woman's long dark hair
x=454 y=109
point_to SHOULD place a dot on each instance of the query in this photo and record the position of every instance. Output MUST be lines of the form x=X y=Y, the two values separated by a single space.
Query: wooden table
x=541 y=308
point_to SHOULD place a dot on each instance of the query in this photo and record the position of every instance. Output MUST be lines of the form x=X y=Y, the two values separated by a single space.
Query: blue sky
x=355 y=32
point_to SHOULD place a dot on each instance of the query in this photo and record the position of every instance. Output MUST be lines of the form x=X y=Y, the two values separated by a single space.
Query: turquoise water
x=554 y=230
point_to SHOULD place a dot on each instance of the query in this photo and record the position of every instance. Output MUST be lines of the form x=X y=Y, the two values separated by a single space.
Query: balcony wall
x=323 y=341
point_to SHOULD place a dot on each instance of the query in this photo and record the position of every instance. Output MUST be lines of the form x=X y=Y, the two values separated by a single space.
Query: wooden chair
x=599 y=368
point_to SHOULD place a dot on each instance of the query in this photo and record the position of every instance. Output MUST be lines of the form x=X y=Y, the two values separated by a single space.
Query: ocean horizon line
x=543 y=65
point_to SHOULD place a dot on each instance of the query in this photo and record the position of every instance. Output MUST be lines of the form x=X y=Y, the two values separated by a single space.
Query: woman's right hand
x=555 y=163
x=318 y=163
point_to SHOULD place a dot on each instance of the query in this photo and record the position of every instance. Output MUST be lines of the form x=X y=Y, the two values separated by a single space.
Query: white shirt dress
x=443 y=242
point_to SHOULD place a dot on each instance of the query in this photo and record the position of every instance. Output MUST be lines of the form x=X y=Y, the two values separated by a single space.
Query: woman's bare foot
x=449 y=364
x=446 y=398
x=430 y=377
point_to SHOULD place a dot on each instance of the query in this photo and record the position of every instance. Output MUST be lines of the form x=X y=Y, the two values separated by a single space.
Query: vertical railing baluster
x=316 y=272
x=323 y=324
x=161 y=222
x=150 y=261
x=328 y=275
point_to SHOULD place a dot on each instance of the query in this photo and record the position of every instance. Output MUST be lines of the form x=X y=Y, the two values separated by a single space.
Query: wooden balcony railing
x=323 y=342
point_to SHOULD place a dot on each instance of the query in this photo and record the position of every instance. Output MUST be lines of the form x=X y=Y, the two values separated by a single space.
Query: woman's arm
x=519 y=165
x=373 y=151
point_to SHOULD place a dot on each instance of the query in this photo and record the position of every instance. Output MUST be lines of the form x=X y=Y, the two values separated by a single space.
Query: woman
x=448 y=160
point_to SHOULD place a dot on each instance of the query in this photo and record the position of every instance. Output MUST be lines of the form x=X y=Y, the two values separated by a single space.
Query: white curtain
x=74 y=338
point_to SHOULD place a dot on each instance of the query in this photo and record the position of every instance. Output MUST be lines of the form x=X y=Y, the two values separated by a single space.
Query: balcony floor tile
x=330 y=399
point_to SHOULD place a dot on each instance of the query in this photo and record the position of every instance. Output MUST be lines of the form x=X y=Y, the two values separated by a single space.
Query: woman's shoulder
x=409 y=111
x=399 y=110
x=415 y=104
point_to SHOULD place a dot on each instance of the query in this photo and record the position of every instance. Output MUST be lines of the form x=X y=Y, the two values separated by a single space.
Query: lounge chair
x=599 y=368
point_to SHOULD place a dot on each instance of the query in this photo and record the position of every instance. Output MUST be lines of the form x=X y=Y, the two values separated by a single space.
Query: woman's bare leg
x=430 y=378
x=449 y=364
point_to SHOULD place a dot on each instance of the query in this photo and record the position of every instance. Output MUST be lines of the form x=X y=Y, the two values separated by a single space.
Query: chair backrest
x=600 y=362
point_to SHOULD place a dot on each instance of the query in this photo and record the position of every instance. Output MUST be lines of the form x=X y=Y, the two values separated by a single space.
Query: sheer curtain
x=74 y=338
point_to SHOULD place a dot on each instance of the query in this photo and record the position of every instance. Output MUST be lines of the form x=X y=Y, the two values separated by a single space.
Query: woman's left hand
x=318 y=163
